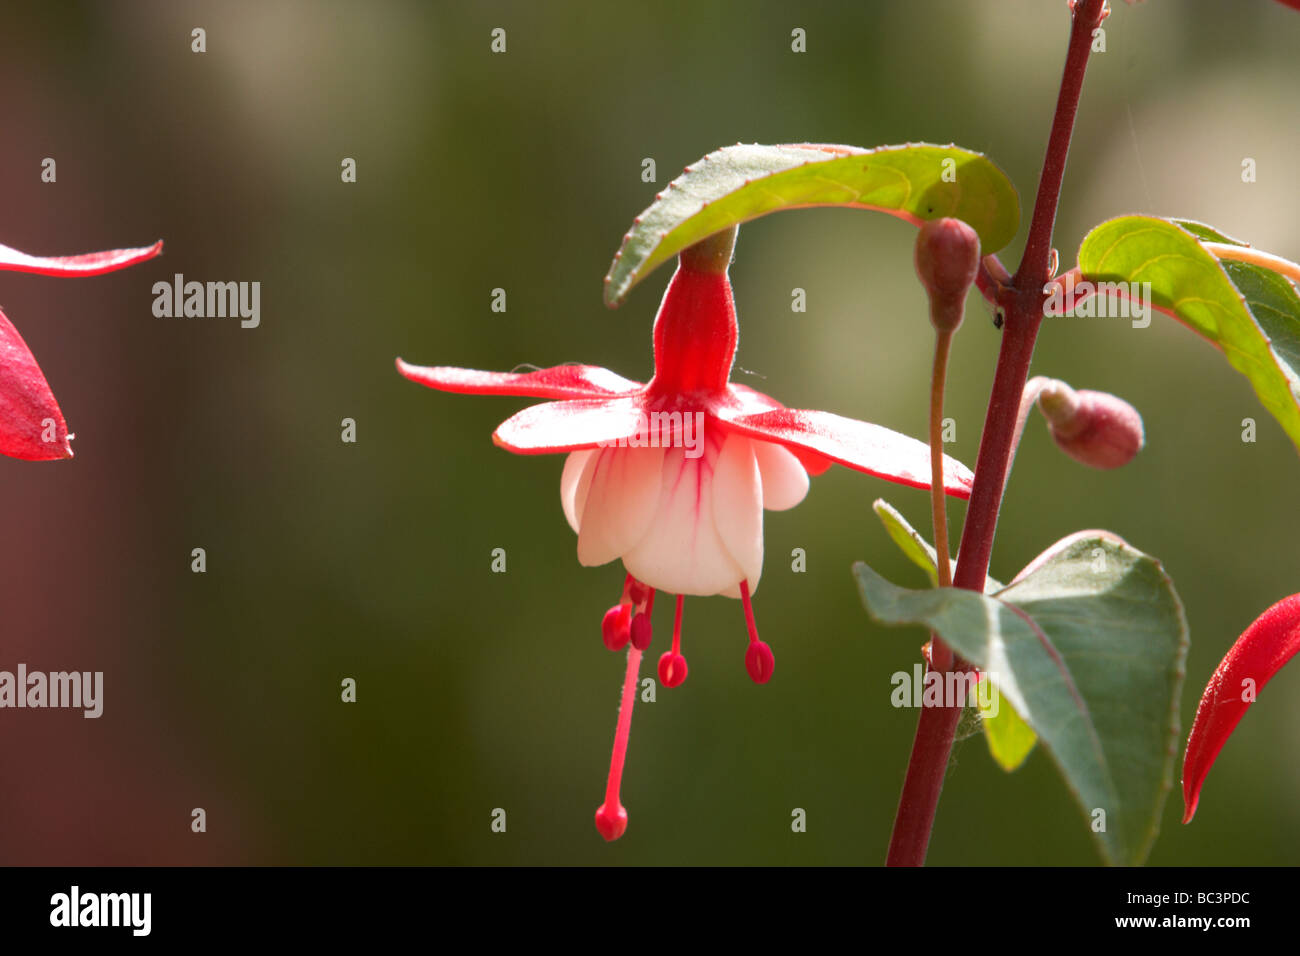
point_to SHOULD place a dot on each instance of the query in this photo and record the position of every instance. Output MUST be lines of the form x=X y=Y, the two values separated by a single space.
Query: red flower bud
x=1095 y=428
x=1259 y=653
x=947 y=261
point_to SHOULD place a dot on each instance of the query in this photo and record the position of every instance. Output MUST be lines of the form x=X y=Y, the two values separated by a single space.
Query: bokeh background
x=372 y=560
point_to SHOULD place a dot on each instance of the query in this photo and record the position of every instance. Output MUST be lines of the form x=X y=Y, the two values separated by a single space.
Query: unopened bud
x=1095 y=428
x=947 y=261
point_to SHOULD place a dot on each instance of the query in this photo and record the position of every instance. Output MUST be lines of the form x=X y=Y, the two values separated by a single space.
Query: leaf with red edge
x=89 y=264
x=1252 y=661
x=1250 y=313
x=562 y=381
x=27 y=407
x=861 y=446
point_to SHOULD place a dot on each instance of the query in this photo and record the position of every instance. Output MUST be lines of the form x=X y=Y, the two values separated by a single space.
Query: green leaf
x=1250 y=313
x=913 y=544
x=1088 y=645
x=1206 y=233
x=739 y=183
x=914 y=547
x=1009 y=738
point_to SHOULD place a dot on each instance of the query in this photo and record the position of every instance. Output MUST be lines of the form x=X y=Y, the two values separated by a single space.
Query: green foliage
x=1088 y=646
x=1250 y=313
x=738 y=183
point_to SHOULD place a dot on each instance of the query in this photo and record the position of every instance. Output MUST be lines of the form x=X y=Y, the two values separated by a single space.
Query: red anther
x=672 y=669
x=616 y=628
x=672 y=666
x=636 y=591
x=759 y=662
x=640 y=633
x=611 y=824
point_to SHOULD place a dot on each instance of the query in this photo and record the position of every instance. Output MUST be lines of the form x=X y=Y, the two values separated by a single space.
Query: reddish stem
x=1022 y=301
x=677 y=626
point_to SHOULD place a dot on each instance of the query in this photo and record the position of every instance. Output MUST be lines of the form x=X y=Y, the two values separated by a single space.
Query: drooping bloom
x=1260 y=652
x=672 y=476
x=31 y=423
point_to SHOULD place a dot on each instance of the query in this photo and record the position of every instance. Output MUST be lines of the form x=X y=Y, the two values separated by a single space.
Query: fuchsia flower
x=672 y=477
x=31 y=424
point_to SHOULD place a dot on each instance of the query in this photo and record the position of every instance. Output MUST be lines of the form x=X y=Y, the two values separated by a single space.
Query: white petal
x=620 y=502
x=574 y=484
x=682 y=552
x=738 y=505
x=785 y=482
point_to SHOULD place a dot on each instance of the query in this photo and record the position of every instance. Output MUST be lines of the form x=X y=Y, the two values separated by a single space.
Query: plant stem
x=938 y=499
x=1022 y=301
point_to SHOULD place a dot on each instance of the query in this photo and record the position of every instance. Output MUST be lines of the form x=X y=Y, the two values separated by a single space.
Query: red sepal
x=1257 y=655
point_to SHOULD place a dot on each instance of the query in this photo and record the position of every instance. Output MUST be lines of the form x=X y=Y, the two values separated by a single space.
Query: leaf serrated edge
x=616 y=292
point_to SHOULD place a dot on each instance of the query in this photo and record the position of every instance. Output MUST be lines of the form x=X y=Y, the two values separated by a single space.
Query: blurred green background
x=372 y=560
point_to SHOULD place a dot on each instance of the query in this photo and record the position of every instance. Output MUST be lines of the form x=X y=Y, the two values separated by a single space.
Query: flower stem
x=1022 y=301
x=938 y=498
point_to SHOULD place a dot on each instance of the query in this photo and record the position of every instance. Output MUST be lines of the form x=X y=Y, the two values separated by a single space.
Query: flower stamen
x=759 y=660
x=672 y=666
x=616 y=627
x=640 y=633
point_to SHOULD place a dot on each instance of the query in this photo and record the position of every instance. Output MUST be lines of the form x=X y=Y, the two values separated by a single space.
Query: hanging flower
x=672 y=476
x=31 y=424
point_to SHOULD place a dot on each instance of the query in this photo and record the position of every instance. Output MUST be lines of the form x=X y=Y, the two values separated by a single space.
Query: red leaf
x=862 y=446
x=28 y=412
x=1258 y=654
x=90 y=264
